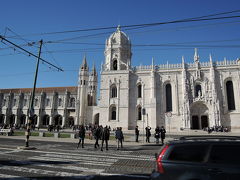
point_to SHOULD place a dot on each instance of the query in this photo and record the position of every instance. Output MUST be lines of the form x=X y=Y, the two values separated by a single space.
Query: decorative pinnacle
x=183 y=60
x=196 y=56
x=94 y=72
x=210 y=58
x=118 y=28
x=84 y=63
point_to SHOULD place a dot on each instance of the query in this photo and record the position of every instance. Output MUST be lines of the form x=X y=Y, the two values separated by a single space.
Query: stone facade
x=178 y=96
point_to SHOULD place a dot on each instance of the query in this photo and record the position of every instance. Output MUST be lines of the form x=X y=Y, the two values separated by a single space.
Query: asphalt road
x=62 y=160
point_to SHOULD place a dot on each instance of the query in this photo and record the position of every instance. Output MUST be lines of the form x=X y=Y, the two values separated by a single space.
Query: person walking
x=163 y=132
x=105 y=137
x=136 y=133
x=119 y=136
x=157 y=134
x=148 y=134
x=97 y=135
x=81 y=135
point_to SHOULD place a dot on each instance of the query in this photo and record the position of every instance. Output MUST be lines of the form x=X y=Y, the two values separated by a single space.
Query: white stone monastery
x=177 y=96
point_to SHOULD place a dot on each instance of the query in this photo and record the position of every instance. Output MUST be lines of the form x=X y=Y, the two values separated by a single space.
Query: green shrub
x=19 y=133
x=64 y=135
x=34 y=134
x=47 y=134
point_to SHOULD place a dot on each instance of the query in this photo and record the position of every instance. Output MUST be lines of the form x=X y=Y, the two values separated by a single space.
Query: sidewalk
x=129 y=140
x=129 y=137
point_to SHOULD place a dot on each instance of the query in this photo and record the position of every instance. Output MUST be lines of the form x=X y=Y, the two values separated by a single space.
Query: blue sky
x=25 y=21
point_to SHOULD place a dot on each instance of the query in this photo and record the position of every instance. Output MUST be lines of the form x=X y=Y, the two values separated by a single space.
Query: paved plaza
x=60 y=159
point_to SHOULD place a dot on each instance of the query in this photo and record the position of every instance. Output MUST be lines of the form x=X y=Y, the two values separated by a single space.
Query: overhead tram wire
x=63 y=41
x=16 y=51
x=3 y=38
x=181 y=28
x=192 y=19
x=17 y=35
x=51 y=54
x=128 y=29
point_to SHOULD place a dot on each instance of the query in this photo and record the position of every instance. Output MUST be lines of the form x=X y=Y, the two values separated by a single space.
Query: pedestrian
x=163 y=132
x=148 y=134
x=119 y=137
x=136 y=133
x=157 y=134
x=81 y=134
x=105 y=137
x=97 y=134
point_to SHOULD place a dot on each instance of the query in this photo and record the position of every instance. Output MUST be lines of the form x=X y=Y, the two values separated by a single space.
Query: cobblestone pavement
x=62 y=159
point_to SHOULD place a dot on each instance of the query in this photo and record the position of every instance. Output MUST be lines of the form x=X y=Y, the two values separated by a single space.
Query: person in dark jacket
x=163 y=132
x=81 y=135
x=119 y=136
x=97 y=135
x=157 y=134
x=136 y=133
x=105 y=137
x=148 y=134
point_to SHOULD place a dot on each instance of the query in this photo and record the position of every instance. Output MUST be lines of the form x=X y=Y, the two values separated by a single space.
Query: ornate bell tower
x=117 y=52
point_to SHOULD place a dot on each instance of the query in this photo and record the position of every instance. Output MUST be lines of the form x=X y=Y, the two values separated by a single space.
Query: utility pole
x=31 y=103
x=31 y=106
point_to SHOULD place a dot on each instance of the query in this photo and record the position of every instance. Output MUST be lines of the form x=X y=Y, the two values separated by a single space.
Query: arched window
x=198 y=90
x=230 y=95
x=36 y=102
x=14 y=102
x=72 y=102
x=115 y=64
x=34 y=119
x=139 y=111
x=113 y=113
x=46 y=120
x=24 y=102
x=113 y=91
x=70 y=121
x=58 y=120
x=60 y=102
x=168 y=98
x=90 y=100
x=4 y=102
x=139 y=91
x=47 y=102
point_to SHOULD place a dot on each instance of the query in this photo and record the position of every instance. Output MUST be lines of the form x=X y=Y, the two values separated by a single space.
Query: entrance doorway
x=58 y=120
x=204 y=121
x=199 y=115
x=195 y=122
x=70 y=121
x=96 y=119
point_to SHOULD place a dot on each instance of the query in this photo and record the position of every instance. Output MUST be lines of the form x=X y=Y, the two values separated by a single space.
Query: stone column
x=63 y=121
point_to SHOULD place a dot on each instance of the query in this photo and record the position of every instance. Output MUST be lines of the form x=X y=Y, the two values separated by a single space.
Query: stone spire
x=210 y=60
x=196 y=56
x=153 y=64
x=183 y=63
x=118 y=28
x=94 y=72
x=84 y=63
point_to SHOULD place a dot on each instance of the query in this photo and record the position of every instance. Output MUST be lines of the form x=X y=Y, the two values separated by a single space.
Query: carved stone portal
x=199 y=115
